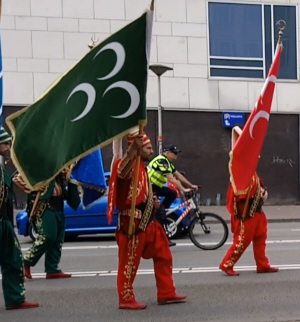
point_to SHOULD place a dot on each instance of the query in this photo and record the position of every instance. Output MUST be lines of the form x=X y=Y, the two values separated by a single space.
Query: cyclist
x=161 y=169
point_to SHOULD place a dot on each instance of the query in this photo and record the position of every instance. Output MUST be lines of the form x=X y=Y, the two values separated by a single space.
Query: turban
x=131 y=137
x=4 y=136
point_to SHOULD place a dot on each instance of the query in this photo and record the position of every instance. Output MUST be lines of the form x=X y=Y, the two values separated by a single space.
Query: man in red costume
x=149 y=239
x=248 y=223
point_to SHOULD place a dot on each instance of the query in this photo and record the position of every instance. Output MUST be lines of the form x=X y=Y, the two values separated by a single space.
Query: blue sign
x=232 y=119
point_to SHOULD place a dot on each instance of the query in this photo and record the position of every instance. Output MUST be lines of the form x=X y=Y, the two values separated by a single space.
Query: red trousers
x=252 y=230
x=152 y=243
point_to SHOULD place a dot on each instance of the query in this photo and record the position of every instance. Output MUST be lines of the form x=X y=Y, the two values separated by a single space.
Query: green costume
x=10 y=252
x=49 y=221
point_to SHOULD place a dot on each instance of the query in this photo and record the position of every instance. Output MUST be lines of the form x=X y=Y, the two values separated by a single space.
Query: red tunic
x=253 y=229
x=150 y=242
x=121 y=188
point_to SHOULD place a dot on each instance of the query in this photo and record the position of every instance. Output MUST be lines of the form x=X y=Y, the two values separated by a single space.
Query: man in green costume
x=47 y=216
x=11 y=261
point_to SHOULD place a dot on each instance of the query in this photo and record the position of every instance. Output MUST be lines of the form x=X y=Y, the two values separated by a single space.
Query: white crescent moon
x=260 y=114
x=120 y=52
x=134 y=95
x=270 y=79
x=90 y=92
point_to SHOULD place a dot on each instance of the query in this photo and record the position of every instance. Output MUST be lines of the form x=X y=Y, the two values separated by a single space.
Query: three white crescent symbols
x=260 y=114
x=120 y=52
x=91 y=94
x=134 y=95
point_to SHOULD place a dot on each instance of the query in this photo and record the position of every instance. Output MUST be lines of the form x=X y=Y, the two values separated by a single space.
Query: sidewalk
x=274 y=213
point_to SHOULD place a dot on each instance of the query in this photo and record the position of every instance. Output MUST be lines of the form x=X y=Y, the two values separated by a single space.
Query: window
x=243 y=38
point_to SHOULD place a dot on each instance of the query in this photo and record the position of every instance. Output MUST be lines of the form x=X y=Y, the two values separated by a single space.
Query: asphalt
x=212 y=296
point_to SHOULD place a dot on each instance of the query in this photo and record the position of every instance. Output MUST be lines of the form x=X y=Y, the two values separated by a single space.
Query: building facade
x=220 y=53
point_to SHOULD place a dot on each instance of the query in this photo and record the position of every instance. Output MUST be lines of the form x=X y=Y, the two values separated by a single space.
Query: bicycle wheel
x=170 y=228
x=208 y=231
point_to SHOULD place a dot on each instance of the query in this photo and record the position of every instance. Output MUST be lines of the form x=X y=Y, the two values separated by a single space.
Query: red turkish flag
x=245 y=153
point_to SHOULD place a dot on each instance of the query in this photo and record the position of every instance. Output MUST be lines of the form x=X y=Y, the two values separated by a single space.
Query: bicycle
x=213 y=230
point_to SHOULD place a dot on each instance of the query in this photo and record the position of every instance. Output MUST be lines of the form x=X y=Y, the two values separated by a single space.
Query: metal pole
x=159 y=70
x=159 y=117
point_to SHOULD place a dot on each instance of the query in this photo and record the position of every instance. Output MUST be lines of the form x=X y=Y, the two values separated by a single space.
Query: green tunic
x=10 y=252
x=50 y=226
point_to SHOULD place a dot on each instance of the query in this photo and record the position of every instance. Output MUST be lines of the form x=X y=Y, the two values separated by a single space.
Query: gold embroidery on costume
x=127 y=212
x=4 y=190
x=148 y=209
x=20 y=183
x=125 y=167
x=255 y=201
x=110 y=205
x=130 y=268
x=239 y=247
x=39 y=209
x=37 y=217
x=139 y=188
x=144 y=187
x=22 y=269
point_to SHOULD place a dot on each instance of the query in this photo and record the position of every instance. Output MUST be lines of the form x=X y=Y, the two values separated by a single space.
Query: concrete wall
x=41 y=39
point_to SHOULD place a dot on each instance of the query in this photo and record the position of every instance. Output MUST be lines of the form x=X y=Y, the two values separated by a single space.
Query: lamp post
x=159 y=70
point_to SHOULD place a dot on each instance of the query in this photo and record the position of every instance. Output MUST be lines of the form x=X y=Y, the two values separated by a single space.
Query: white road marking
x=90 y=247
x=186 y=270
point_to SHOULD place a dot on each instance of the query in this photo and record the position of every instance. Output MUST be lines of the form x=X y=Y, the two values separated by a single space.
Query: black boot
x=171 y=243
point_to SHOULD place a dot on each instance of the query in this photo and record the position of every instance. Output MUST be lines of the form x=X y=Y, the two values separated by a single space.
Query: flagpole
x=131 y=229
x=151 y=6
x=36 y=200
x=92 y=45
x=282 y=25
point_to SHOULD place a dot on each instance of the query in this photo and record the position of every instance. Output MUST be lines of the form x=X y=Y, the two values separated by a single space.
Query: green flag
x=102 y=97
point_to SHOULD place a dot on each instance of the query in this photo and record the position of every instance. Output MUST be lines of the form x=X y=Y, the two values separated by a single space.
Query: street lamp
x=159 y=70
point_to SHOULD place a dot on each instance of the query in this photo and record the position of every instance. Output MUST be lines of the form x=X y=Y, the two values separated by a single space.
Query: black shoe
x=171 y=244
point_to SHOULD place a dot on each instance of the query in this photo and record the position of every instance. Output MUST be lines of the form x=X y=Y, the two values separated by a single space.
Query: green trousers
x=11 y=263
x=51 y=229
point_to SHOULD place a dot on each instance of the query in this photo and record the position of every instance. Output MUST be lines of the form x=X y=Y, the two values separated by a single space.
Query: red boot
x=174 y=299
x=268 y=270
x=27 y=272
x=132 y=306
x=24 y=305
x=50 y=276
x=229 y=271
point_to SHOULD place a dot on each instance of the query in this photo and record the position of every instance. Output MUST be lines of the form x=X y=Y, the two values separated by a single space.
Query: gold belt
x=137 y=213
